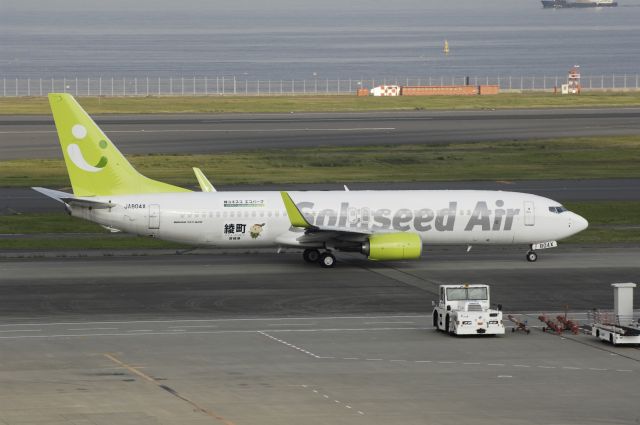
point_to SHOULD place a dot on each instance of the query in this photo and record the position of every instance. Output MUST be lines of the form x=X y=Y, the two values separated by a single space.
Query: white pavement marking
x=174 y=332
x=193 y=326
x=302 y=350
x=92 y=329
x=250 y=319
x=217 y=130
x=329 y=398
x=251 y=130
x=22 y=330
x=291 y=324
x=389 y=323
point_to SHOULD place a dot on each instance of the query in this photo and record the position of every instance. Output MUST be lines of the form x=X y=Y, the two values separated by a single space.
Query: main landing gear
x=532 y=256
x=325 y=259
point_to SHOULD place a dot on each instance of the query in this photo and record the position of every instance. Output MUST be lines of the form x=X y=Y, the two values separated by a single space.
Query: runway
x=35 y=137
x=266 y=339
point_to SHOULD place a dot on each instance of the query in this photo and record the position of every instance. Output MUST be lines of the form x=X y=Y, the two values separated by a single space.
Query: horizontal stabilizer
x=69 y=199
x=54 y=194
x=84 y=203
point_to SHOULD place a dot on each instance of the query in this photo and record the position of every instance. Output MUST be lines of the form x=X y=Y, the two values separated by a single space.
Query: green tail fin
x=95 y=166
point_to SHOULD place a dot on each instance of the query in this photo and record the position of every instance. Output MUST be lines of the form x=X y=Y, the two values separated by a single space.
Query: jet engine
x=392 y=246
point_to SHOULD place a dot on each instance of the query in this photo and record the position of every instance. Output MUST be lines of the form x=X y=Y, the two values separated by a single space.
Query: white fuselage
x=259 y=219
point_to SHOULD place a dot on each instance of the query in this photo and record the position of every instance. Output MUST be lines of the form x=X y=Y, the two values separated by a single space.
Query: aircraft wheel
x=311 y=255
x=532 y=257
x=327 y=260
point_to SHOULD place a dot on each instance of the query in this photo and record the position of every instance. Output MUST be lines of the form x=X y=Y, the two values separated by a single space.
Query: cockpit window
x=557 y=210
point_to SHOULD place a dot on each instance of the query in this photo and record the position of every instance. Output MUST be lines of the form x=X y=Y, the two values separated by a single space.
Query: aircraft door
x=154 y=216
x=529 y=213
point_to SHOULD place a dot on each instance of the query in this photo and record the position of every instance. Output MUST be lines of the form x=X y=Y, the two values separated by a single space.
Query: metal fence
x=230 y=85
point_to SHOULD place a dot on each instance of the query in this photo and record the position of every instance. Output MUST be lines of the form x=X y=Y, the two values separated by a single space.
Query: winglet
x=204 y=183
x=295 y=216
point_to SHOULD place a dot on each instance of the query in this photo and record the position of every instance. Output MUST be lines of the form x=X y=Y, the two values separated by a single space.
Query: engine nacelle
x=392 y=246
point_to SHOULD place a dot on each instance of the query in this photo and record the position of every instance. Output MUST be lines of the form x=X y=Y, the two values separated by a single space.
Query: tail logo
x=79 y=132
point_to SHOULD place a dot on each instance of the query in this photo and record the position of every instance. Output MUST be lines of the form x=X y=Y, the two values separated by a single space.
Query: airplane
x=383 y=225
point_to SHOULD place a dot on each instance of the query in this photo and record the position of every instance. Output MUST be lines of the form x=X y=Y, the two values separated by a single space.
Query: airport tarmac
x=233 y=338
x=217 y=337
x=35 y=136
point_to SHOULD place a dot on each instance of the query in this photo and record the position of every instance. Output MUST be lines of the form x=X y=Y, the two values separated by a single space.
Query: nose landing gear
x=532 y=256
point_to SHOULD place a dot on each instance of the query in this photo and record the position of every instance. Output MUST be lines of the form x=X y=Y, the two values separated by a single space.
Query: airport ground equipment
x=568 y=324
x=550 y=325
x=465 y=310
x=518 y=325
x=619 y=326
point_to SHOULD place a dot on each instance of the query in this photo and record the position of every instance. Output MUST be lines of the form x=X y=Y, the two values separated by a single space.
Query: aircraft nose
x=579 y=223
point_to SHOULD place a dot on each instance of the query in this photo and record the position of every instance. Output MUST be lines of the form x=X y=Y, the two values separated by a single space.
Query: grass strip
x=58 y=222
x=564 y=158
x=309 y=103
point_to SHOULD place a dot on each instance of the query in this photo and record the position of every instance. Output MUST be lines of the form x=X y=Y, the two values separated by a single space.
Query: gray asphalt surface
x=235 y=284
x=35 y=137
x=266 y=339
x=24 y=200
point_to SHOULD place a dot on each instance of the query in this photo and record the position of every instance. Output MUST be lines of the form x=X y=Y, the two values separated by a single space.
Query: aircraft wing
x=313 y=233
